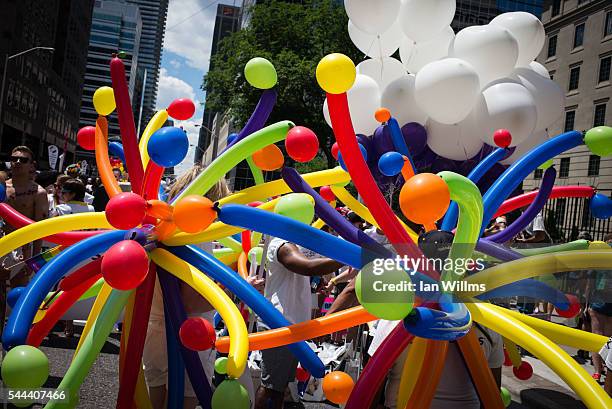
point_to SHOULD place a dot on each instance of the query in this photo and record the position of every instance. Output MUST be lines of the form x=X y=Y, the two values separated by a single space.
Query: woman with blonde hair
x=154 y=356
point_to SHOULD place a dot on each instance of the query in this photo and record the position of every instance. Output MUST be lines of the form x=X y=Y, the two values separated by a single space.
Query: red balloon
x=125 y=265
x=302 y=144
x=507 y=360
x=126 y=210
x=524 y=371
x=334 y=150
x=574 y=307
x=181 y=109
x=86 y=137
x=502 y=138
x=197 y=334
x=326 y=193
x=256 y=203
x=301 y=374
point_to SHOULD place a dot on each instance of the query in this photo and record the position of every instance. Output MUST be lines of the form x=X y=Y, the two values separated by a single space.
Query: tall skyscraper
x=153 y=14
x=116 y=29
x=226 y=22
x=480 y=12
x=41 y=96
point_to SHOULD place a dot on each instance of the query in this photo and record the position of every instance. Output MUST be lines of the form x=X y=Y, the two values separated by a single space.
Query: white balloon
x=540 y=69
x=383 y=71
x=372 y=16
x=528 y=31
x=492 y=50
x=446 y=90
x=415 y=55
x=364 y=100
x=422 y=20
x=376 y=45
x=536 y=139
x=457 y=142
x=399 y=98
x=326 y=113
x=506 y=106
x=549 y=97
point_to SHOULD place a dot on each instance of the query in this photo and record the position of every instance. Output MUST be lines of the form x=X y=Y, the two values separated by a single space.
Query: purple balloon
x=383 y=142
x=415 y=136
x=441 y=164
x=367 y=143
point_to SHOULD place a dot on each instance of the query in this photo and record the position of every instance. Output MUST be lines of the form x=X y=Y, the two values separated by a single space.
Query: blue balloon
x=2 y=193
x=20 y=320
x=13 y=296
x=231 y=138
x=391 y=163
x=116 y=149
x=453 y=321
x=168 y=146
x=529 y=288
x=601 y=206
x=176 y=366
x=364 y=153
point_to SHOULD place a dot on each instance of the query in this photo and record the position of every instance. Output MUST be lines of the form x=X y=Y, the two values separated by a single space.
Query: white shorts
x=606 y=354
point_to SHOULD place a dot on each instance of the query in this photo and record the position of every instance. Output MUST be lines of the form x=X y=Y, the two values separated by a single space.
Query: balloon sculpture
x=141 y=238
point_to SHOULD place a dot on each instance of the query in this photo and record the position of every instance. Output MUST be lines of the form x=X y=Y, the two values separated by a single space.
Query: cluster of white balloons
x=462 y=87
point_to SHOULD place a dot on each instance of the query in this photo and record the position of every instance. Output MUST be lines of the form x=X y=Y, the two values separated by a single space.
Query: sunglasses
x=20 y=159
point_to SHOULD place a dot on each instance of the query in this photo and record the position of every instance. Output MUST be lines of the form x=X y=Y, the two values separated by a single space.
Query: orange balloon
x=159 y=209
x=424 y=198
x=382 y=115
x=269 y=158
x=337 y=387
x=194 y=213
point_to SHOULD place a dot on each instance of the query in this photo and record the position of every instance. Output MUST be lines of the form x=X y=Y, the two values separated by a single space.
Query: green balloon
x=384 y=292
x=297 y=206
x=260 y=73
x=599 y=140
x=546 y=164
x=230 y=394
x=25 y=367
x=221 y=365
x=505 y=395
x=256 y=252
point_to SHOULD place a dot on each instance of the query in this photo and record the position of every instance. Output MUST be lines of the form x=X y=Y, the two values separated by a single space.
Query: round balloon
x=25 y=366
x=528 y=31
x=326 y=193
x=104 y=100
x=336 y=73
x=506 y=105
x=269 y=158
x=168 y=146
x=540 y=69
x=326 y=115
x=256 y=253
x=86 y=138
x=230 y=393
x=391 y=163
x=457 y=142
x=197 y=334
x=601 y=206
x=384 y=292
x=181 y=109
x=364 y=154
x=502 y=138
x=337 y=387
x=423 y=20
x=424 y=198
x=260 y=73
x=301 y=374
x=335 y=149
x=536 y=139
x=415 y=136
x=383 y=142
x=382 y=70
x=376 y=45
x=524 y=371
x=549 y=97
x=373 y=17
x=447 y=90
x=125 y=265
x=297 y=206
x=302 y=144
x=126 y=210
x=491 y=49
x=364 y=100
x=415 y=55
x=193 y=213
x=400 y=98
x=599 y=140
x=221 y=365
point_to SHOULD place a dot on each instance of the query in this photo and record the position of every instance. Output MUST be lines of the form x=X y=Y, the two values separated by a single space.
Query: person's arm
x=538 y=237
x=293 y=259
x=497 y=374
x=41 y=212
x=346 y=299
x=193 y=301
x=347 y=275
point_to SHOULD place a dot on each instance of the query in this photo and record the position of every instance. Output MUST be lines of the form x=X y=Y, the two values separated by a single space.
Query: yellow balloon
x=599 y=245
x=104 y=100
x=336 y=73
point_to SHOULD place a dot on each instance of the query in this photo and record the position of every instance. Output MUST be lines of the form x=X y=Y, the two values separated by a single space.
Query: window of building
x=537 y=174
x=599 y=118
x=579 y=35
x=552 y=47
x=593 y=165
x=574 y=80
x=608 y=27
x=570 y=116
x=604 y=69
x=564 y=168
x=556 y=7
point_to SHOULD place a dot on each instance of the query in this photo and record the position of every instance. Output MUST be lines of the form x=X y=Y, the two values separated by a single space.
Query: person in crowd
x=606 y=356
x=599 y=286
x=288 y=289
x=88 y=198
x=154 y=354
x=497 y=226
x=72 y=199
x=29 y=199
x=100 y=196
x=55 y=198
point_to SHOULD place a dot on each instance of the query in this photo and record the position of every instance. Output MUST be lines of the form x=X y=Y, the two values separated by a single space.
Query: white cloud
x=176 y=64
x=170 y=88
x=190 y=126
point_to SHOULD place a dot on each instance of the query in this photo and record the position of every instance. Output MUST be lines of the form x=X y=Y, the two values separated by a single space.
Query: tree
x=294 y=37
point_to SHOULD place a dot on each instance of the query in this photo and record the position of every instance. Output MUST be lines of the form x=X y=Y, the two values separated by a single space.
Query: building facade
x=42 y=89
x=480 y=12
x=578 y=55
x=116 y=28
x=153 y=14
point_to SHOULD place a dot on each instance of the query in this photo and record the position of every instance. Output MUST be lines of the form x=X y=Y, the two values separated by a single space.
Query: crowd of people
x=298 y=283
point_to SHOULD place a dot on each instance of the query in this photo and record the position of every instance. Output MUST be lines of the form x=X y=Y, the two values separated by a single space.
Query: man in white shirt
x=288 y=289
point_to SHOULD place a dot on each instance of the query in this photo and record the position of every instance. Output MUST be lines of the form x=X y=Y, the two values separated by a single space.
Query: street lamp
x=6 y=60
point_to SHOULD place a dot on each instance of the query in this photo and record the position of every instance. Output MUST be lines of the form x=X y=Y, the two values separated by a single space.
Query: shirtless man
x=28 y=198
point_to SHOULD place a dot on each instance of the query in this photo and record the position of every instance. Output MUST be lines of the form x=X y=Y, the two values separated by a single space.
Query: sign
x=53 y=155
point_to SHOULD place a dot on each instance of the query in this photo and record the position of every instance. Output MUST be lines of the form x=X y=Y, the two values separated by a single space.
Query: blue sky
x=186 y=55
